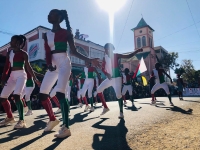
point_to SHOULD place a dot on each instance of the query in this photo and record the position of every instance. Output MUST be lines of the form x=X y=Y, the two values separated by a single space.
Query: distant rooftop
x=142 y=24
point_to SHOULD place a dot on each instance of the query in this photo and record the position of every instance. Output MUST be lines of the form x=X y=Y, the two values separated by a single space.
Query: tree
x=189 y=75
x=169 y=60
x=38 y=69
x=179 y=71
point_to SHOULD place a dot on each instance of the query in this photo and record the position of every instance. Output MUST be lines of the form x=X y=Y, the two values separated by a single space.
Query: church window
x=143 y=41
x=138 y=42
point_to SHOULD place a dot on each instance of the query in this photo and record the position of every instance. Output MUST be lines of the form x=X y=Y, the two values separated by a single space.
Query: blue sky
x=166 y=17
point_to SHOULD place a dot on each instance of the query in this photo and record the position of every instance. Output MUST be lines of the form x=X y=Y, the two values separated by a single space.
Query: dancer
x=69 y=87
x=159 y=73
x=151 y=84
x=28 y=89
x=59 y=68
x=15 y=60
x=97 y=82
x=180 y=85
x=110 y=67
x=88 y=86
x=80 y=83
x=127 y=85
x=67 y=96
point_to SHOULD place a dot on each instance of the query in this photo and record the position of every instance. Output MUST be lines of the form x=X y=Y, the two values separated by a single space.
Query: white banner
x=191 y=92
x=36 y=50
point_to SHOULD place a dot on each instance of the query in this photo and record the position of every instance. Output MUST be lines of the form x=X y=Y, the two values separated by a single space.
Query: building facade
x=143 y=38
x=35 y=49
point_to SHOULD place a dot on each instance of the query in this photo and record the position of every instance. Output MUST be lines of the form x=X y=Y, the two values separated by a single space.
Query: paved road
x=89 y=131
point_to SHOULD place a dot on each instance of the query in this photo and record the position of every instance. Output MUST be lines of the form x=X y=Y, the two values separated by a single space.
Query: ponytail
x=65 y=16
x=24 y=40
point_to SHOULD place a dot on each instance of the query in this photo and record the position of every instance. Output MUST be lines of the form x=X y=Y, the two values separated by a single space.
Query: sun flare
x=111 y=5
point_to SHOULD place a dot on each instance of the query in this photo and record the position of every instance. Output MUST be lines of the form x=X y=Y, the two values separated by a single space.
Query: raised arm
x=74 y=51
x=130 y=55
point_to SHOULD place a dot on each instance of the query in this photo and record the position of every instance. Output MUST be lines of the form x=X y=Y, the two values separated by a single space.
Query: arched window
x=143 y=41
x=82 y=51
x=138 y=42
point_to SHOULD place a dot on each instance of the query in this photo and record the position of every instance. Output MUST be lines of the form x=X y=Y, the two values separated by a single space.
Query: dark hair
x=21 y=39
x=158 y=64
x=109 y=46
x=126 y=71
x=64 y=16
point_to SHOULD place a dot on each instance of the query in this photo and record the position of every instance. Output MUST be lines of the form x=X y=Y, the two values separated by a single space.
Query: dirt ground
x=179 y=131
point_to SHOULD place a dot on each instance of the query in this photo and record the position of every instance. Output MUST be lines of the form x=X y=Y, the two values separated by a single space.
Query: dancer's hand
x=95 y=62
x=108 y=76
x=51 y=68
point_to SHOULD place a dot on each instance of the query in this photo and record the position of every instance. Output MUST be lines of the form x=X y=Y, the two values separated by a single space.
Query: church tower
x=143 y=38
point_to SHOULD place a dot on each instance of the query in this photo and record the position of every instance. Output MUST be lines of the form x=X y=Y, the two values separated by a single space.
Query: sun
x=111 y=6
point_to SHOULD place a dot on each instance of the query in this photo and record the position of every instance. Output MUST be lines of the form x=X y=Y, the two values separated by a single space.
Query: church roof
x=142 y=24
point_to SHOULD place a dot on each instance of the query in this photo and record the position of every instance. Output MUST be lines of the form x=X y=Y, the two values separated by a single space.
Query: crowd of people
x=61 y=88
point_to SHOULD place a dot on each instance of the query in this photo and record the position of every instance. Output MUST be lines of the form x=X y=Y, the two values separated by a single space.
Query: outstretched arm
x=130 y=55
x=74 y=51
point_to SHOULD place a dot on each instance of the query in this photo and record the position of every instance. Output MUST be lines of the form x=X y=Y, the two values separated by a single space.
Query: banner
x=36 y=50
x=191 y=92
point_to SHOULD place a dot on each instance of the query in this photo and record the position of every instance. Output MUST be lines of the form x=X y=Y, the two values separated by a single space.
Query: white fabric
x=88 y=85
x=127 y=88
x=142 y=67
x=67 y=93
x=155 y=72
x=97 y=81
x=11 y=56
x=27 y=91
x=62 y=74
x=124 y=78
x=86 y=72
x=79 y=84
x=79 y=94
x=108 y=66
x=116 y=83
x=159 y=86
x=16 y=83
x=50 y=39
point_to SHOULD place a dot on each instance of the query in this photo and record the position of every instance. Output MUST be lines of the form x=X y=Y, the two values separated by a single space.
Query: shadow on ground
x=114 y=137
x=177 y=109
x=38 y=125
x=133 y=108
x=191 y=101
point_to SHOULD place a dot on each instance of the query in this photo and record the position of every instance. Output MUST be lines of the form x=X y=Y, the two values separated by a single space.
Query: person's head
x=109 y=48
x=57 y=16
x=178 y=75
x=18 y=41
x=126 y=71
x=157 y=65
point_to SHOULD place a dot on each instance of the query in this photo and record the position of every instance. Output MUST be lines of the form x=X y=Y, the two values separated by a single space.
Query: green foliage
x=191 y=75
x=179 y=71
x=38 y=69
x=169 y=60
